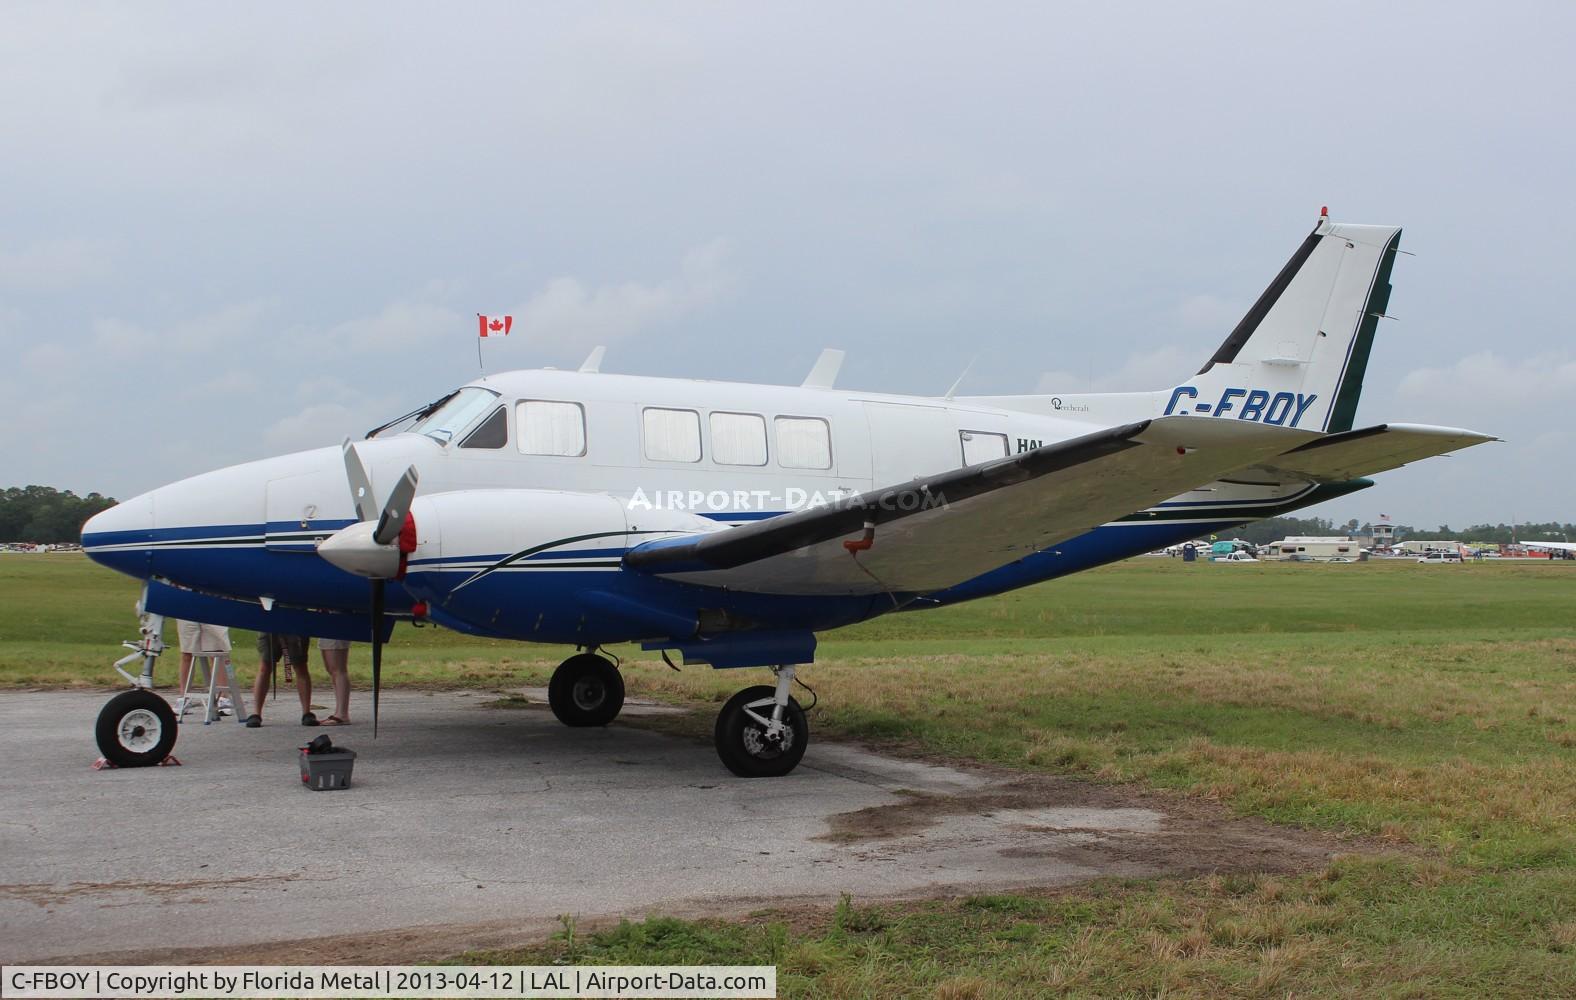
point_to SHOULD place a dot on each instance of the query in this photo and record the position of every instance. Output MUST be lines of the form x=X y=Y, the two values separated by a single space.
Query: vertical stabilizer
x=1298 y=357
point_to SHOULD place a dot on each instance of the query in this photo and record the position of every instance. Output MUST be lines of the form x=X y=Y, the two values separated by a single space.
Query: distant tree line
x=1273 y=529
x=1502 y=534
x=43 y=515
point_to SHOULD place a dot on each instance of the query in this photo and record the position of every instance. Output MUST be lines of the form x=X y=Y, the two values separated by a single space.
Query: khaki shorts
x=199 y=639
x=333 y=644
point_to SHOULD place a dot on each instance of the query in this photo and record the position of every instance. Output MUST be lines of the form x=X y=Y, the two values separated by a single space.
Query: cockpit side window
x=490 y=433
x=462 y=409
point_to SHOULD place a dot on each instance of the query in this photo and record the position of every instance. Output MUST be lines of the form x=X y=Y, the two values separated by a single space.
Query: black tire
x=136 y=729
x=586 y=690
x=742 y=742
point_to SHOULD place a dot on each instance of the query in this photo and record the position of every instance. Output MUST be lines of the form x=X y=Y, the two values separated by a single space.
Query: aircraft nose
x=121 y=537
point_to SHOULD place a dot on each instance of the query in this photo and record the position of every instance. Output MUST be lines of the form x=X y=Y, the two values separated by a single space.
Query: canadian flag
x=494 y=326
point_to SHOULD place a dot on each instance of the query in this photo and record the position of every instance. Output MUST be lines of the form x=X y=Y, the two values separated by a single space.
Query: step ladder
x=207 y=697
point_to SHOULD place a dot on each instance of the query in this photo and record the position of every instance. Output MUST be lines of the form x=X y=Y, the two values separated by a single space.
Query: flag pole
x=479 y=364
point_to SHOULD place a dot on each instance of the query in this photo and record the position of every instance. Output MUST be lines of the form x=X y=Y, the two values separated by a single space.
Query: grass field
x=1431 y=709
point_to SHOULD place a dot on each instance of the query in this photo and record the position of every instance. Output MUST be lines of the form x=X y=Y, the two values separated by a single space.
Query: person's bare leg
x=303 y=683
x=265 y=673
x=336 y=663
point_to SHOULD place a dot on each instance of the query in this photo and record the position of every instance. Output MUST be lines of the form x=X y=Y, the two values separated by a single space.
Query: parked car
x=1441 y=557
x=1238 y=556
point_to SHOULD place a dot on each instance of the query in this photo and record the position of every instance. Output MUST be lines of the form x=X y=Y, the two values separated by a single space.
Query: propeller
x=368 y=548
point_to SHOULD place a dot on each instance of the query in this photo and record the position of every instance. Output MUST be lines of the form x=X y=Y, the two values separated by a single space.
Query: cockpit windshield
x=461 y=410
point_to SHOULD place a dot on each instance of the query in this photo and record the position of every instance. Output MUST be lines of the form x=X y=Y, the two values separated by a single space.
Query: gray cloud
x=54 y=264
x=287 y=224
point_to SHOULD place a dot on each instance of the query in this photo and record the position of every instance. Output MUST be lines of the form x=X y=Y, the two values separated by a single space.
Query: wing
x=1556 y=546
x=1364 y=452
x=938 y=531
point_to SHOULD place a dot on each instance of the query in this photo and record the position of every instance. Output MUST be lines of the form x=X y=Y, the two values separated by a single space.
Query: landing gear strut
x=762 y=732
x=137 y=728
x=586 y=690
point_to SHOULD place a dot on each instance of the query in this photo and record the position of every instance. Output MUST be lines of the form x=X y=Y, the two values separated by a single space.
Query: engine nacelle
x=479 y=553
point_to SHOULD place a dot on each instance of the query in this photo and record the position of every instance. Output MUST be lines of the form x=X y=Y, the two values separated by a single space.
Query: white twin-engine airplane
x=583 y=508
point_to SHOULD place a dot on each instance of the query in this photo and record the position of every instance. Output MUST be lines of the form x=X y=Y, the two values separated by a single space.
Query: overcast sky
x=231 y=231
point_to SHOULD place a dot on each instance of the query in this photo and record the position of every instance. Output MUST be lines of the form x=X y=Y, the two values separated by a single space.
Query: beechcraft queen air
x=730 y=523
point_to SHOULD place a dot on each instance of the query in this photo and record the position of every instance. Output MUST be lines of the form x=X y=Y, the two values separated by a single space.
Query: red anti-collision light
x=419 y=609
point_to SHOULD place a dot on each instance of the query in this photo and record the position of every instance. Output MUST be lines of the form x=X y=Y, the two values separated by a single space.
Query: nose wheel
x=762 y=732
x=136 y=729
x=586 y=690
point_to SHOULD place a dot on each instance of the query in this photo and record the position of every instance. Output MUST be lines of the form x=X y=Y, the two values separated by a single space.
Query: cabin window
x=547 y=427
x=490 y=433
x=982 y=446
x=738 y=439
x=804 y=443
x=671 y=435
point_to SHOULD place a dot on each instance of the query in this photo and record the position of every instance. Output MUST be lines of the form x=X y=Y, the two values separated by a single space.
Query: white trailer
x=1316 y=547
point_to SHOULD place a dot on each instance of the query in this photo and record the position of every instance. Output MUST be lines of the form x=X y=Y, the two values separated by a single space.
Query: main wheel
x=136 y=729
x=744 y=744
x=586 y=690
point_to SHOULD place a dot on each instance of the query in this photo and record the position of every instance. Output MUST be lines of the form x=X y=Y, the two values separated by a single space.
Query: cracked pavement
x=467 y=824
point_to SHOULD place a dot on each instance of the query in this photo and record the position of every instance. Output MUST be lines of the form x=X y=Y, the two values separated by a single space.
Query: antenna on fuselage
x=593 y=362
x=965 y=374
x=824 y=374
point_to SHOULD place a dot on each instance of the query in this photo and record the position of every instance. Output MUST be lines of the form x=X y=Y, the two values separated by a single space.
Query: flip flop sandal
x=308 y=719
x=334 y=720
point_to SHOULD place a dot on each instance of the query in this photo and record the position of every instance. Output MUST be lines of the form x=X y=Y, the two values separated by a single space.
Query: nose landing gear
x=762 y=732
x=586 y=690
x=136 y=729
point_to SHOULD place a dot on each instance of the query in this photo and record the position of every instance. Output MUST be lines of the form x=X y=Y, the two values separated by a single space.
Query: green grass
x=1432 y=708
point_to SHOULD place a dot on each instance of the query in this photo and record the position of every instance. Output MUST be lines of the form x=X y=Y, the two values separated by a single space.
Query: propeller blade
x=395 y=508
x=360 y=485
x=377 y=650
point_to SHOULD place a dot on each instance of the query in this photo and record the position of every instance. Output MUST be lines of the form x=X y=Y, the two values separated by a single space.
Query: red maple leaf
x=497 y=324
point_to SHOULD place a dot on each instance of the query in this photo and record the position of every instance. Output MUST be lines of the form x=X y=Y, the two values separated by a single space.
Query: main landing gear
x=762 y=732
x=586 y=690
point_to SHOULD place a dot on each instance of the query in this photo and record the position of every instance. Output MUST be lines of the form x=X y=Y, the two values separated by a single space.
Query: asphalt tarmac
x=470 y=825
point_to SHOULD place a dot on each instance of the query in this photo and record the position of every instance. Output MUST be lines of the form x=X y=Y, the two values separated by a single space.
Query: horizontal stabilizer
x=1370 y=450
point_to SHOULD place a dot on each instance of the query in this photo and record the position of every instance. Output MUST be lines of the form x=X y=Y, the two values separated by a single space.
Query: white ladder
x=211 y=665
